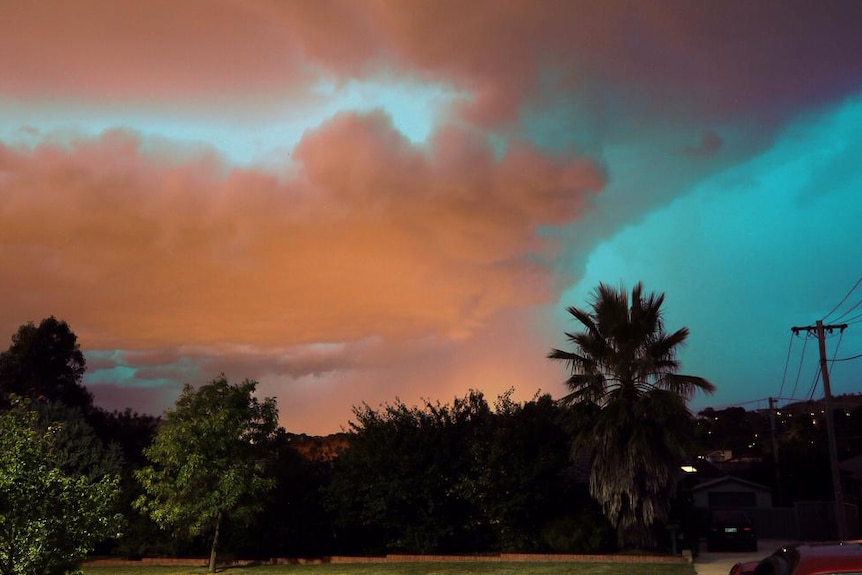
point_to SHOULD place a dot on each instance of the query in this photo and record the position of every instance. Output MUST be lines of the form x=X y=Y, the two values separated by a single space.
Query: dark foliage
x=458 y=478
x=45 y=363
x=624 y=382
x=294 y=522
x=131 y=432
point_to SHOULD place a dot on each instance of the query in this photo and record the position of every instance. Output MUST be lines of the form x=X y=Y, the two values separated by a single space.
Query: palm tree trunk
x=212 y=567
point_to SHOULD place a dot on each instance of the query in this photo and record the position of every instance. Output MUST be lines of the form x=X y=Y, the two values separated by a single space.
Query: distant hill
x=319 y=448
x=847 y=401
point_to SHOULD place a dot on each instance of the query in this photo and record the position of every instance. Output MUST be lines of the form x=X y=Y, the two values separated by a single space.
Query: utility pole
x=780 y=493
x=821 y=330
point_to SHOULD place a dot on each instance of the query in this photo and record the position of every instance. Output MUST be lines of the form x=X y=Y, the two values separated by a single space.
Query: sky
x=364 y=201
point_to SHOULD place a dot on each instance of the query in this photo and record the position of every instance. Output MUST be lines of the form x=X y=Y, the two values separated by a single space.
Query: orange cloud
x=196 y=51
x=711 y=59
x=369 y=236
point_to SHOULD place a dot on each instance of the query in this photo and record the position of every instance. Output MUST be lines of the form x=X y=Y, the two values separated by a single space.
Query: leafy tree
x=461 y=477
x=208 y=459
x=516 y=476
x=632 y=406
x=77 y=449
x=53 y=508
x=396 y=487
x=45 y=363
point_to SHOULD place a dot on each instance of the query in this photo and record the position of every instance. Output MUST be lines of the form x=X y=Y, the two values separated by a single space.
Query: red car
x=807 y=559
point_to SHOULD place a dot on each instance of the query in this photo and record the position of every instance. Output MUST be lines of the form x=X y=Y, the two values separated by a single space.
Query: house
x=731 y=492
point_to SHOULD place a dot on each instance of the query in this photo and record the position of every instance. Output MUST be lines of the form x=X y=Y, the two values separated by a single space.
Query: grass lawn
x=430 y=568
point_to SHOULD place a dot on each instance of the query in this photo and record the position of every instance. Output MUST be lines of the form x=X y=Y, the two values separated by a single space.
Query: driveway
x=719 y=563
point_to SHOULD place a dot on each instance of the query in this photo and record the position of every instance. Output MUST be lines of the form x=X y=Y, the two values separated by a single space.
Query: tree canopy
x=397 y=482
x=455 y=478
x=53 y=508
x=631 y=404
x=45 y=363
x=208 y=459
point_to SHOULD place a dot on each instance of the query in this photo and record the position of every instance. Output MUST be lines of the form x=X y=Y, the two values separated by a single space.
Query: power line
x=847 y=358
x=799 y=369
x=814 y=383
x=837 y=345
x=844 y=298
x=786 y=364
x=855 y=319
x=855 y=305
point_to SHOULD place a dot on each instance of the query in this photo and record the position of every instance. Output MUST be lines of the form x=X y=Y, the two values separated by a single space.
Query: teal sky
x=749 y=251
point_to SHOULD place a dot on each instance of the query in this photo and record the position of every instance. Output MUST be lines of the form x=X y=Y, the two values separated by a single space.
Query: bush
x=582 y=533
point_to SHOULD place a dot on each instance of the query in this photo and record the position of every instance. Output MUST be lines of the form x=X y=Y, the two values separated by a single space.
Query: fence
x=805 y=521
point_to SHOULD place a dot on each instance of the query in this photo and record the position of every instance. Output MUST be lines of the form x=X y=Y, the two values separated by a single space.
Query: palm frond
x=686 y=385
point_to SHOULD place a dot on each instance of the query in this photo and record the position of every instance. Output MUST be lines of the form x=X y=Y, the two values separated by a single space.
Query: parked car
x=807 y=559
x=731 y=529
x=746 y=568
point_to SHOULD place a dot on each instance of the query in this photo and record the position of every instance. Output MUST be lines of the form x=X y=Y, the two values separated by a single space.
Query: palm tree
x=631 y=405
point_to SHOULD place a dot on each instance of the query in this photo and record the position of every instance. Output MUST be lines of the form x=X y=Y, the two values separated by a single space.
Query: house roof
x=705 y=468
x=730 y=479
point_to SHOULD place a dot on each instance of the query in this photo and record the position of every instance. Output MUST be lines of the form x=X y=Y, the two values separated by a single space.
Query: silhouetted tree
x=396 y=486
x=633 y=405
x=294 y=521
x=516 y=475
x=45 y=363
x=131 y=432
x=460 y=477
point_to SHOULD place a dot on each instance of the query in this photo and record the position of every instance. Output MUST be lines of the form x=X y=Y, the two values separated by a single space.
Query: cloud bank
x=368 y=242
